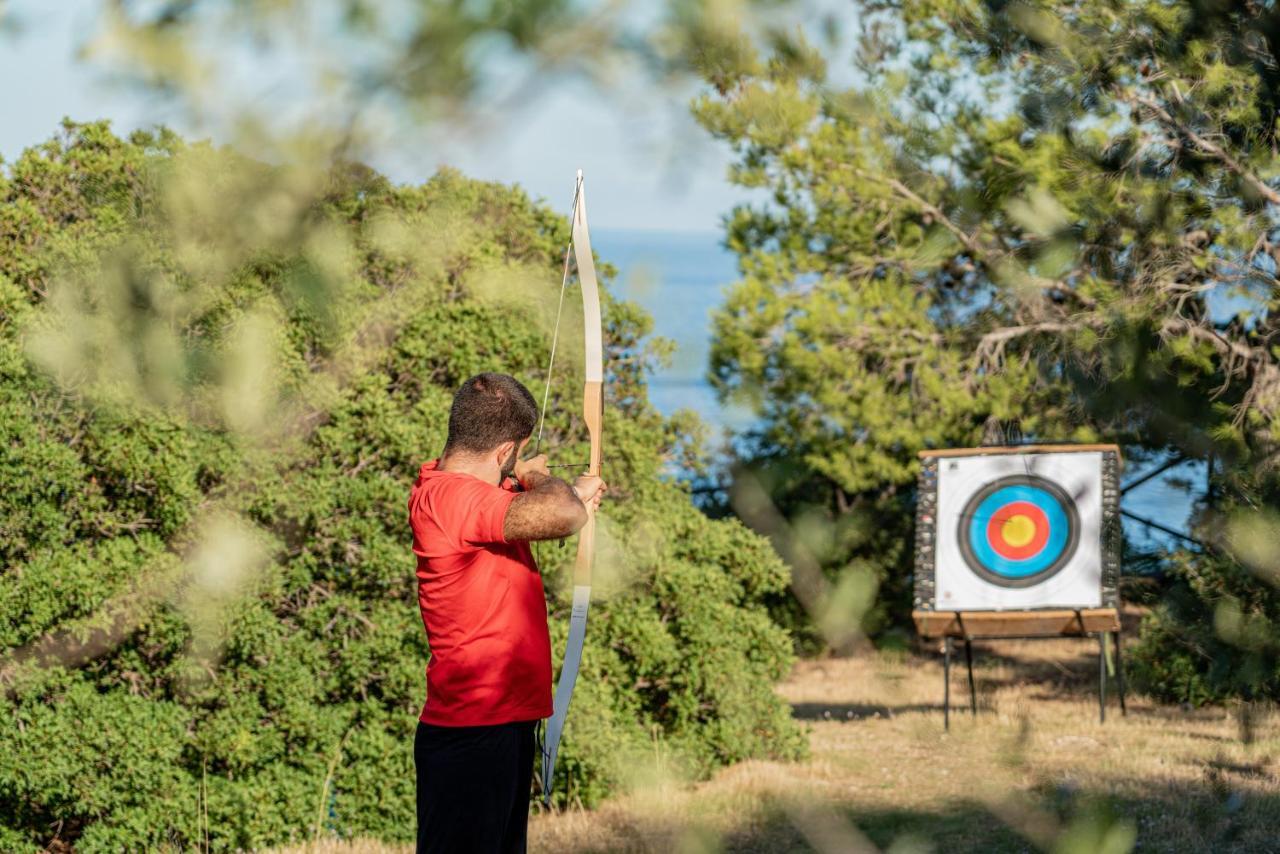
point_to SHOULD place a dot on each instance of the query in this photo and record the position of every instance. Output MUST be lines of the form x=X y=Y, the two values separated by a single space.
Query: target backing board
x=1018 y=528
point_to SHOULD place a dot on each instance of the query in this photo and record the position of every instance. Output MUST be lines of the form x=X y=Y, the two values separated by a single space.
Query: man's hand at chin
x=528 y=471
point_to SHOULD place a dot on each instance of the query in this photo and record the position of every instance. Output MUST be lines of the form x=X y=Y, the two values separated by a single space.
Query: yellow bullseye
x=1018 y=530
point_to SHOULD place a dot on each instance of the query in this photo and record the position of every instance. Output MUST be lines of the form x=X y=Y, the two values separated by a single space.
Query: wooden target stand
x=1102 y=623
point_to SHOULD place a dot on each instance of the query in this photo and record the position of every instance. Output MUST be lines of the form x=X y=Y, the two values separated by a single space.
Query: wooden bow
x=593 y=415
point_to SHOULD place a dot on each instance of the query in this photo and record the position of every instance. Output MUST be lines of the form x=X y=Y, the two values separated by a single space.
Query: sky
x=648 y=166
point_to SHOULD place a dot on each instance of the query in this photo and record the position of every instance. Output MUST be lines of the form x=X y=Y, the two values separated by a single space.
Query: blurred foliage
x=349 y=73
x=1044 y=220
x=217 y=381
x=1213 y=637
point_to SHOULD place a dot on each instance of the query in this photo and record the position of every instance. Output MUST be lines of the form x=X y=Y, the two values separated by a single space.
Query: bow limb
x=593 y=415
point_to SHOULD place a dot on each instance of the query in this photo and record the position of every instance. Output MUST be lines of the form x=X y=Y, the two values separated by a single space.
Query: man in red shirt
x=489 y=678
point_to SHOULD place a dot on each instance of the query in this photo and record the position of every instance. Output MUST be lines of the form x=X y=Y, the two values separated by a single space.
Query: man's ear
x=503 y=453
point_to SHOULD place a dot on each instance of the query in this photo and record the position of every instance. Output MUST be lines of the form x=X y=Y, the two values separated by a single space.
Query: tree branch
x=976 y=249
x=1264 y=392
x=990 y=350
x=1205 y=145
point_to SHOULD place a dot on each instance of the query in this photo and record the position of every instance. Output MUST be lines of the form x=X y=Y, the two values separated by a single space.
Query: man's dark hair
x=488 y=410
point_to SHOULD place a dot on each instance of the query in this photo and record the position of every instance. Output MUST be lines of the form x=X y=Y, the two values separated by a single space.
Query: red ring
x=995 y=527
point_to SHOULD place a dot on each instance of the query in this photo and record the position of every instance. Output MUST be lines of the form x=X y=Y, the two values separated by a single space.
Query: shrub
x=155 y=707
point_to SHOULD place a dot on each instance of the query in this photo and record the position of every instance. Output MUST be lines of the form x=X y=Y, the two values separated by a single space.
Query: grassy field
x=1035 y=770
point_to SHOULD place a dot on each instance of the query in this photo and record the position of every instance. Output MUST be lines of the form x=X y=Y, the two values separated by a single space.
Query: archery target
x=1019 y=531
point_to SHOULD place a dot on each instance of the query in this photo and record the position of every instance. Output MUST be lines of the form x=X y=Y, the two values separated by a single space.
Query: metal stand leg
x=1102 y=677
x=1120 y=673
x=973 y=692
x=946 y=683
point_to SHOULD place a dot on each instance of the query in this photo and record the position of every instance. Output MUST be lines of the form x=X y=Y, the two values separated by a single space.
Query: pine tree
x=1039 y=220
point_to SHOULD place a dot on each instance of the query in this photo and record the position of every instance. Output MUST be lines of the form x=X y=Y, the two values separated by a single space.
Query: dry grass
x=1035 y=770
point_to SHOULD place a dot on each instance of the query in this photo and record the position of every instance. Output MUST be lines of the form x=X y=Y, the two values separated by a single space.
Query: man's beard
x=509 y=466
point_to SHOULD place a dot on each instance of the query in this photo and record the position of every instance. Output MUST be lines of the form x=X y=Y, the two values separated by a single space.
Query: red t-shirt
x=482 y=605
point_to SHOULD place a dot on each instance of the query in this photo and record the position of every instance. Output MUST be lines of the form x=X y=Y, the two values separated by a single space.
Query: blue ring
x=994 y=562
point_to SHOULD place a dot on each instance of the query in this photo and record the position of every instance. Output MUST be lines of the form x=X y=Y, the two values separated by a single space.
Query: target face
x=1015 y=531
x=1018 y=531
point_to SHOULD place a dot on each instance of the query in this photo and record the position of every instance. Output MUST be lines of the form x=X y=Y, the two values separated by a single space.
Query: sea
x=681 y=277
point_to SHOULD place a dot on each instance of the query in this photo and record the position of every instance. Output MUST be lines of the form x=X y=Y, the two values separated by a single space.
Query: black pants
x=473 y=787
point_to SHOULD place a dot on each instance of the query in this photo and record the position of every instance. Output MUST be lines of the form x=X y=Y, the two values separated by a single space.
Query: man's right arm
x=548 y=509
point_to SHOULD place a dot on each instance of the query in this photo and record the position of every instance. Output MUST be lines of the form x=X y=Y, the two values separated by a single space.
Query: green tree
x=1048 y=220
x=210 y=630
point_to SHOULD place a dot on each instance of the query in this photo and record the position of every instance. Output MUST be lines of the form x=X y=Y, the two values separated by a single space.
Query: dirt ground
x=1035 y=770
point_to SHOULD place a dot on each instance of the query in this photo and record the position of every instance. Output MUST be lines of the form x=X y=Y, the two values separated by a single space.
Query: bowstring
x=555 y=335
